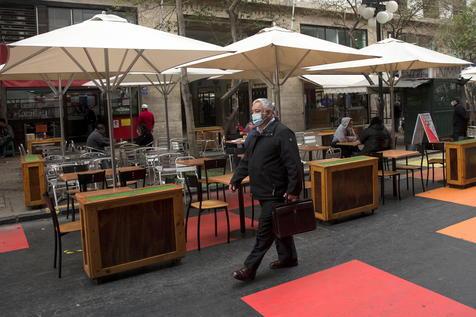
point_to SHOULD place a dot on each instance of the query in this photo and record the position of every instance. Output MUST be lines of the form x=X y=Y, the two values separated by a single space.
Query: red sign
x=424 y=124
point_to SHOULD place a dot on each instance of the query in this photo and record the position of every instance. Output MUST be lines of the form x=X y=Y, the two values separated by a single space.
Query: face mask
x=257 y=119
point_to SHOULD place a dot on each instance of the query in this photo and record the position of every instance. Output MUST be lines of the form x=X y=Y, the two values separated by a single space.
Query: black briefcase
x=292 y=218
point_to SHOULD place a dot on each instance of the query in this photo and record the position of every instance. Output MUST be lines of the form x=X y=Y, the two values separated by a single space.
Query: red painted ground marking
x=354 y=289
x=12 y=238
x=207 y=229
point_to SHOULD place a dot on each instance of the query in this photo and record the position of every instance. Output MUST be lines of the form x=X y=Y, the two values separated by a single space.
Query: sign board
x=125 y=122
x=115 y=124
x=424 y=125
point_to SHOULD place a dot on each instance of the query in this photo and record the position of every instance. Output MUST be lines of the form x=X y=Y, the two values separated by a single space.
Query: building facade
x=206 y=20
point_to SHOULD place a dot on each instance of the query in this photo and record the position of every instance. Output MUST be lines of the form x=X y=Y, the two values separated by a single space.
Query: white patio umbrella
x=396 y=55
x=103 y=46
x=469 y=73
x=275 y=54
x=165 y=83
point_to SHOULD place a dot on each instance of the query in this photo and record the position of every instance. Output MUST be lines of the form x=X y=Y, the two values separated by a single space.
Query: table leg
x=310 y=155
x=394 y=168
x=241 y=204
x=199 y=172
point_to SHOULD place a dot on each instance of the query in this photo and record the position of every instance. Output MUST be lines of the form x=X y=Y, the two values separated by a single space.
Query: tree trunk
x=185 y=88
x=232 y=118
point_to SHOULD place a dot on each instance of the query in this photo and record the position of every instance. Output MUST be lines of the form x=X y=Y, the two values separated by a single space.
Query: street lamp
x=378 y=12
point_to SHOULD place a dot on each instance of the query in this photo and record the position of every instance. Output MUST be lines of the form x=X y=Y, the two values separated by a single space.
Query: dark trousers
x=265 y=238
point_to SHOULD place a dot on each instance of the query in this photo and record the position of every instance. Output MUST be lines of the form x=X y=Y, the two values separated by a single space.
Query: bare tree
x=184 y=84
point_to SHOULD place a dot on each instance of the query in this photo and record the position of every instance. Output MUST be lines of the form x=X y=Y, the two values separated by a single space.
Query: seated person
x=375 y=137
x=345 y=133
x=6 y=136
x=145 y=137
x=97 y=139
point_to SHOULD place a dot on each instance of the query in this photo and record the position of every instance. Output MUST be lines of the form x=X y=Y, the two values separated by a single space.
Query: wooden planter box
x=343 y=187
x=34 y=182
x=461 y=162
x=124 y=229
x=36 y=146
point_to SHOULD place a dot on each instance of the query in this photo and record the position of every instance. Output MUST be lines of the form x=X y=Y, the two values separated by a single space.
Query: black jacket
x=375 y=138
x=273 y=163
x=460 y=120
x=144 y=139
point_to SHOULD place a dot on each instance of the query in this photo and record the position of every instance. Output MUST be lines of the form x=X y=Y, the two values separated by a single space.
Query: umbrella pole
x=109 y=116
x=167 y=126
x=392 y=110
x=130 y=117
x=277 y=94
x=61 y=113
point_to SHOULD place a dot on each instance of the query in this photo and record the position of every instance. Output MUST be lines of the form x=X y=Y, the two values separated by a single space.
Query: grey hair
x=267 y=104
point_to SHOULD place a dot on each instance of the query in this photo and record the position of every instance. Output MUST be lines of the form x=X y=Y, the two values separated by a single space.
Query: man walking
x=146 y=118
x=460 y=120
x=273 y=163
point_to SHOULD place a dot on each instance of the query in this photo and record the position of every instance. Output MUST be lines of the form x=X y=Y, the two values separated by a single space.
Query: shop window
x=206 y=102
x=80 y=15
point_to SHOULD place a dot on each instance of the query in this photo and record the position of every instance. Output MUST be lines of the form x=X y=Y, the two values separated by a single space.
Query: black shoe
x=244 y=274
x=283 y=264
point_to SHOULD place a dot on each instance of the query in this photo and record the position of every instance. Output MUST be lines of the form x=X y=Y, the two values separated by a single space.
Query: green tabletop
x=467 y=141
x=131 y=193
x=352 y=159
x=32 y=158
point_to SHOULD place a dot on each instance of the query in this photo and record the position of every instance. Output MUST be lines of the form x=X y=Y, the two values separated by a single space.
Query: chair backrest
x=300 y=138
x=192 y=183
x=219 y=163
x=436 y=147
x=182 y=169
x=168 y=159
x=416 y=147
x=51 y=207
x=22 y=150
x=91 y=178
x=380 y=159
x=127 y=176
x=310 y=138
x=333 y=152
x=54 y=158
x=74 y=168
x=92 y=155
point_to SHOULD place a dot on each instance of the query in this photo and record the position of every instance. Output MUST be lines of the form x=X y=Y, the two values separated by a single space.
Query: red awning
x=39 y=83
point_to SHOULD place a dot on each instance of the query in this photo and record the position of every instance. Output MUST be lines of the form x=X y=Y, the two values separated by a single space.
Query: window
x=336 y=35
x=61 y=17
x=58 y=18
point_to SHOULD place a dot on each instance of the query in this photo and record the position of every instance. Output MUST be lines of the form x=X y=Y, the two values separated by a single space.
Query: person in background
x=345 y=133
x=272 y=161
x=375 y=137
x=146 y=118
x=97 y=139
x=397 y=115
x=145 y=138
x=6 y=136
x=460 y=120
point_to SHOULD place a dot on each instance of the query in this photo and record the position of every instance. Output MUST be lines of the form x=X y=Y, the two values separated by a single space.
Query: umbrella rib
x=120 y=67
x=289 y=74
x=49 y=83
x=99 y=85
x=68 y=84
x=161 y=85
x=264 y=78
x=154 y=85
x=139 y=54
x=171 y=87
x=92 y=64
x=25 y=59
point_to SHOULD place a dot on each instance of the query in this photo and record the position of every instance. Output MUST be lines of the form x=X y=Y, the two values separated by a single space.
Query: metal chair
x=72 y=188
x=215 y=164
x=59 y=230
x=164 y=165
x=382 y=174
x=435 y=148
x=127 y=178
x=193 y=184
x=411 y=168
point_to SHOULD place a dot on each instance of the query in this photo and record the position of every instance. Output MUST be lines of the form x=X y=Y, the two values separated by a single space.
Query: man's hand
x=232 y=187
x=291 y=197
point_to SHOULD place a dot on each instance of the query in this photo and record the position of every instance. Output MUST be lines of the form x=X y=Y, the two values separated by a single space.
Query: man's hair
x=3 y=120
x=100 y=126
x=376 y=120
x=267 y=104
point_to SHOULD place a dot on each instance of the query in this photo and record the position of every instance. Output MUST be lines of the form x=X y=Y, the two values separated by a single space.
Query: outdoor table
x=343 y=187
x=394 y=155
x=32 y=145
x=236 y=141
x=68 y=177
x=326 y=136
x=199 y=163
x=225 y=179
x=34 y=181
x=124 y=228
x=314 y=148
x=461 y=162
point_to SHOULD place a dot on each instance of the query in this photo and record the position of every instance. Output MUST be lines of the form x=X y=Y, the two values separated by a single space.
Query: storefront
x=328 y=99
